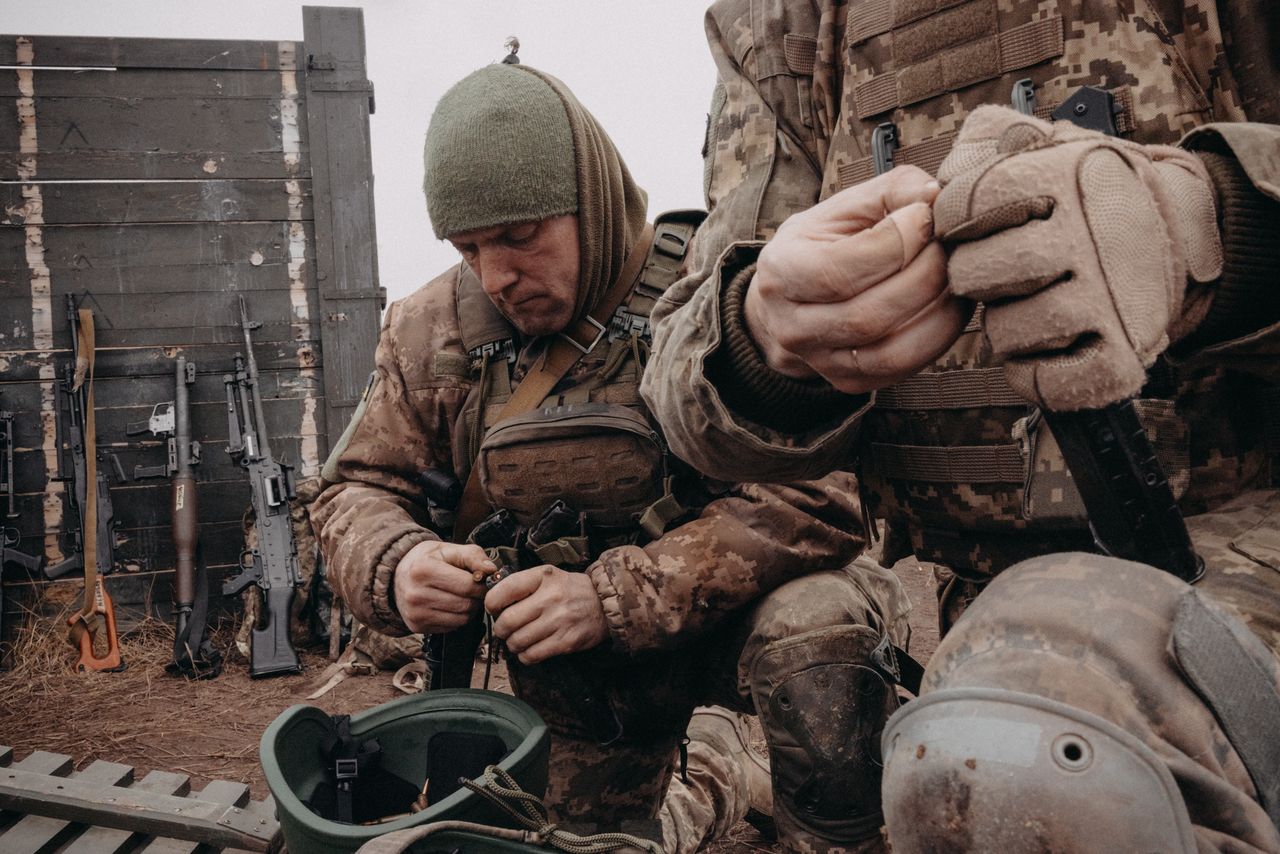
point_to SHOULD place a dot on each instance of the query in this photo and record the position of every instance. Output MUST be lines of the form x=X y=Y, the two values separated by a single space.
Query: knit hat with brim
x=511 y=144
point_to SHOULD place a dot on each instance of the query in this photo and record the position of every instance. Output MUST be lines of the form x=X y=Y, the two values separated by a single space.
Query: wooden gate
x=156 y=181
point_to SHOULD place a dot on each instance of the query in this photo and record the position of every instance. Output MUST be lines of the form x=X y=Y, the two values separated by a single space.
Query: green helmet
x=330 y=774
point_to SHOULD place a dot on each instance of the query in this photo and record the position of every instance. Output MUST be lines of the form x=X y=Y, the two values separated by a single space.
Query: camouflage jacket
x=951 y=457
x=742 y=544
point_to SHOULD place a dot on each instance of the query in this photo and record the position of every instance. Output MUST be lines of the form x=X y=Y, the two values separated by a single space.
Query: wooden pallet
x=49 y=807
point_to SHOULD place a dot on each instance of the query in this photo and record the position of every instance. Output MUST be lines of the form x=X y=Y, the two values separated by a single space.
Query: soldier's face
x=529 y=270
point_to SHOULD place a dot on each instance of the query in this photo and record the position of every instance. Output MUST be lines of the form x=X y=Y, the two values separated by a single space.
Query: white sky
x=641 y=67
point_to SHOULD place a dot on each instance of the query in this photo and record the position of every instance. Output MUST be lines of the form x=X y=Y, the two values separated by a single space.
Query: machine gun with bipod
x=273 y=564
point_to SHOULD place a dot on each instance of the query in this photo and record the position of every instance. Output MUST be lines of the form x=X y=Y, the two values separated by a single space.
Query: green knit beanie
x=499 y=150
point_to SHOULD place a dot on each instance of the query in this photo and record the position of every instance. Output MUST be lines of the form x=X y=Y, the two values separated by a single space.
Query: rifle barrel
x=252 y=364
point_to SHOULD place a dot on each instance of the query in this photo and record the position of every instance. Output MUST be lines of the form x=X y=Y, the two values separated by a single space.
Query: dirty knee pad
x=822 y=704
x=986 y=769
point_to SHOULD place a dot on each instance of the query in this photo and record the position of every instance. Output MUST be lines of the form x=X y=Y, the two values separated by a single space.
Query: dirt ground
x=210 y=730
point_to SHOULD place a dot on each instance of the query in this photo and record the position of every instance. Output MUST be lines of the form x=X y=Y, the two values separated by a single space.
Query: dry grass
x=146 y=717
x=210 y=729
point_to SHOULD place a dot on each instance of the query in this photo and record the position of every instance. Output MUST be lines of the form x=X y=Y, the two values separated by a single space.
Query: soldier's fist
x=435 y=585
x=854 y=288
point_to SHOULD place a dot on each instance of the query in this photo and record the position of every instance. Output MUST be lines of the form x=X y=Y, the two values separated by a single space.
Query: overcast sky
x=641 y=67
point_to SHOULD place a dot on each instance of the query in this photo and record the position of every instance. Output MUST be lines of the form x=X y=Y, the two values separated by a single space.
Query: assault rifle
x=76 y=400
x=10 y=536
x=71 y=438
x=273 y=565
x=193 y=654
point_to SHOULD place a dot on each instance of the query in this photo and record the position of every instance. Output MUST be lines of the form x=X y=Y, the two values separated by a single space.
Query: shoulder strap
x=672 y=235
x=565 y=350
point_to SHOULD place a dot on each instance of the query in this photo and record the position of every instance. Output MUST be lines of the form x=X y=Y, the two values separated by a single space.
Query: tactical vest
x=591 y=443
x=953 y=455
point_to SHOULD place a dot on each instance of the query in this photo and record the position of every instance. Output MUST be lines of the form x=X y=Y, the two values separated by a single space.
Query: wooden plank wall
x=156 y=181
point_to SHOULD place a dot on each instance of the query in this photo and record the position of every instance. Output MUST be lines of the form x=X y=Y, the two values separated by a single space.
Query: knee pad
x=822 y=702
x=987 y=769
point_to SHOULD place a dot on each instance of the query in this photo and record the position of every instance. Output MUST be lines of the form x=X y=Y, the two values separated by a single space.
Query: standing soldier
x=1083 y=703
x=647 y=589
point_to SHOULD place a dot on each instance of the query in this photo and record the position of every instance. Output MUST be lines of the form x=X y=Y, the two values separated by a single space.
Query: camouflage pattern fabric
x=654 y=695
x=1094 y=632
x=951 y=458
x=797 y=115
x=672 y=604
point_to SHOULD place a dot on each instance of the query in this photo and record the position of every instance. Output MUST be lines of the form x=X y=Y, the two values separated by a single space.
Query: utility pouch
x=1050 y=496
x=603 y=459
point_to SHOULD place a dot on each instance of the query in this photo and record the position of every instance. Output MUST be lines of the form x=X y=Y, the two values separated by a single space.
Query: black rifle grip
x=271 y=649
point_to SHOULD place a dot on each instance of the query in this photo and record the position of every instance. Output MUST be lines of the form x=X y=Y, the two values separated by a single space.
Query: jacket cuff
x=384 y=596
x=1246 y=297
x=601 y=575
x=751 y=388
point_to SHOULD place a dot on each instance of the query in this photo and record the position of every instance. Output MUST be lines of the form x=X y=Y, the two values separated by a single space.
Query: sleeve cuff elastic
x=751 y=388
x=1246 y=297
x=384 y=588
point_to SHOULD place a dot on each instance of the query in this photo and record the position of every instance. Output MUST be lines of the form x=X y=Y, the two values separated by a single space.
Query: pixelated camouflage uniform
x=681 y=609
x=960 y=466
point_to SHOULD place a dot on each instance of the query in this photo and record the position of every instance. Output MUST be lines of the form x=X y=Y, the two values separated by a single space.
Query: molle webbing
x=800 y=52
x=928 y=154
x=942 y=51
x=949 y=464
x=971 y=388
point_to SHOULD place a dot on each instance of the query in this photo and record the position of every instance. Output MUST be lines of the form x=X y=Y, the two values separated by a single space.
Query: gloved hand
x=1080 y=244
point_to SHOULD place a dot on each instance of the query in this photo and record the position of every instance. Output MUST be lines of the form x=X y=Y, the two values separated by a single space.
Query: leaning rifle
x=97 y=516
x=9 y=536
x=273 y=564
x=193 y=654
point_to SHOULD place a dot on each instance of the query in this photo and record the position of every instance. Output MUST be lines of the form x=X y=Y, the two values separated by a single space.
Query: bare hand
x=435 y=585
x=854 y=289
x=544 y=612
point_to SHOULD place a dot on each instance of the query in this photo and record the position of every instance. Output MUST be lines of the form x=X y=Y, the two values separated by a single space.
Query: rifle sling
x=561 y=355
x=85 y=345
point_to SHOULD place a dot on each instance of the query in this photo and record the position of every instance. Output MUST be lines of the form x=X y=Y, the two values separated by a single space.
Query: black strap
x=897 y=664
x=350 y=759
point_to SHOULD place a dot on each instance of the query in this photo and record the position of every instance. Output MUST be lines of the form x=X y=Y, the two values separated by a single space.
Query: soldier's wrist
x=384 y=583
x=1244 y=299
x=753 y=389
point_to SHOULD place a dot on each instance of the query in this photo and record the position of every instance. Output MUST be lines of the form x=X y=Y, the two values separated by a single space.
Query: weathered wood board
x=46 y=805
x=155 y=182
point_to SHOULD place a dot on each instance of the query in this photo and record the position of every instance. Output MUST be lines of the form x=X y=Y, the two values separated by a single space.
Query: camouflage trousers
x=636 y=775
x=1096 y=634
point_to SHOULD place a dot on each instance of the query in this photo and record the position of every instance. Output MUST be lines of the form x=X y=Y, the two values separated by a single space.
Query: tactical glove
x=1081 y=245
